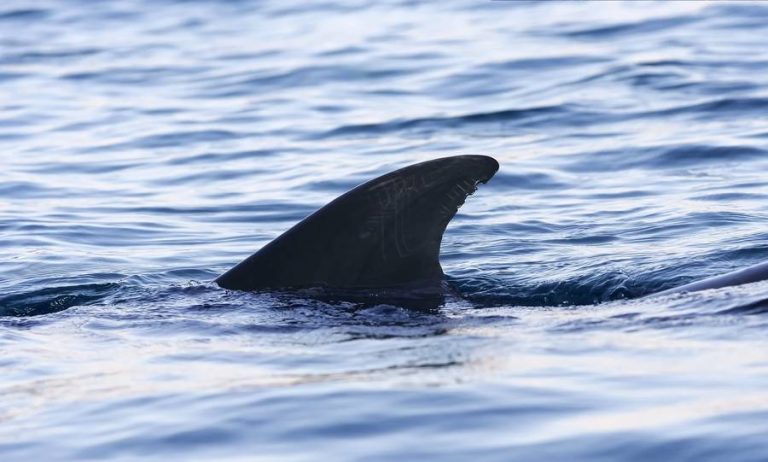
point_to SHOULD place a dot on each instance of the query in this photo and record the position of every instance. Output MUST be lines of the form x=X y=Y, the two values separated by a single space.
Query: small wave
x=535 y=181
x=733 y=197
x=663 y=157
x=8 y=76
x=133 y=75
x=169 y=140
x=631 y=29
x=313 y=76
x=210 y=158
x=580 y=290
x=27 y=190
x=716 y=108
x=54 y=299
x=43 y=56
x=26 y=14
x=535 y=115
x=757 y=307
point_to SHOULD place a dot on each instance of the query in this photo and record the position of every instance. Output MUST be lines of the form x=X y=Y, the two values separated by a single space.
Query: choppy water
x=147 y=146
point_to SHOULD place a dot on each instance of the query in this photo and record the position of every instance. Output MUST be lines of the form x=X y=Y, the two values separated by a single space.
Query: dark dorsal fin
x=383 y=233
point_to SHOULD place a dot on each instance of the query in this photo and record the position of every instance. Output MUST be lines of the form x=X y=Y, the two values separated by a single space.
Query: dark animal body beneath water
x=383 y=237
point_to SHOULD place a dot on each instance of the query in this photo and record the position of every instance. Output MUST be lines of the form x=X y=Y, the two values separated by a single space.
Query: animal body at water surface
x=385 y=235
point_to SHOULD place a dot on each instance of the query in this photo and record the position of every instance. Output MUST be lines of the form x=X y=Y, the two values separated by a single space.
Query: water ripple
x=147 y=146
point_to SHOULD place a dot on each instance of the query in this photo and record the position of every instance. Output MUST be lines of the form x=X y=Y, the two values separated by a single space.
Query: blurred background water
x=147 y=146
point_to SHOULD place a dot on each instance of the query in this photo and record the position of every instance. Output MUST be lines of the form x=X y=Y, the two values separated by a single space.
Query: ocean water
x=147 y=146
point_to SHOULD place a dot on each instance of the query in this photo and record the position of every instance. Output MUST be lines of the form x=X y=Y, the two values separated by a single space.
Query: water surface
x=146 y=147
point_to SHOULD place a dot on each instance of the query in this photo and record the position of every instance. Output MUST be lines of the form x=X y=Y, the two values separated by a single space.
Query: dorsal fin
x=383 y=233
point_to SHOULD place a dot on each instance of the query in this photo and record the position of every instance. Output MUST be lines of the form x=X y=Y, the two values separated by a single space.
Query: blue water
x=147 y=146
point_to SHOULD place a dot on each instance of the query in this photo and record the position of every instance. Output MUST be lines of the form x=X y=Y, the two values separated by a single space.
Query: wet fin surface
x=383 y=233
